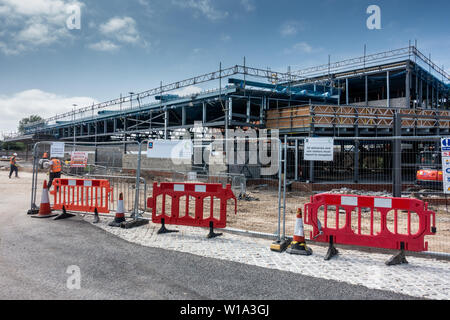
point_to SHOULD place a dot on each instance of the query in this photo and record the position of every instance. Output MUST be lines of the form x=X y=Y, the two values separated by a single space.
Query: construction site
x=385 y=114
x=225 y=159
x=361 y=102
x=370 y=105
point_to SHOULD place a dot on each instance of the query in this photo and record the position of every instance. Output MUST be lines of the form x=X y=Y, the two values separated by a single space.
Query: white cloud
x=33 y=23
x=23 y=104
x=225 y=37
x=104 y=45
x=146 y=5
x=37 y=33
x=203 y=7
x=122 y=29
x=10 y=49
x=188 y=91
x=291 y=28
x=249 y=5
x=119 y=31
x=300 y=47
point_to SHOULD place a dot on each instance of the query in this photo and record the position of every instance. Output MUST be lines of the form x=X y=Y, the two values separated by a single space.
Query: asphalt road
x=35 y=255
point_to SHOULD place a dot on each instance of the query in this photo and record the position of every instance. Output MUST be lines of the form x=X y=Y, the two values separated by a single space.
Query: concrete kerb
x=268 y=236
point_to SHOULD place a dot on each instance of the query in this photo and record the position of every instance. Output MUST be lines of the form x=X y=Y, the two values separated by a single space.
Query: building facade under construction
x=355 y=97
x=388 y=94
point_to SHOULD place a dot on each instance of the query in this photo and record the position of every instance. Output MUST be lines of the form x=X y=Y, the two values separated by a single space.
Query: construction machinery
x=429 y=173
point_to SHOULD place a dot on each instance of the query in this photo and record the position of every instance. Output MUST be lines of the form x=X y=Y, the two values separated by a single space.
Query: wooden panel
x=444 y=123
x=328 y=115
x=296 y=117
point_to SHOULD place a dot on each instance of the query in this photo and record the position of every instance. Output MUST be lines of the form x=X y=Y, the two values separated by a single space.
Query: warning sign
x=319 y=149
x=170 y=149
x=445 y=146
x=57 y=150
x=79 y=160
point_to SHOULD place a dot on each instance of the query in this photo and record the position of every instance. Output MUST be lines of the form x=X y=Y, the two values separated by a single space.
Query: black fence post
x=397 y=157
x=356 y=162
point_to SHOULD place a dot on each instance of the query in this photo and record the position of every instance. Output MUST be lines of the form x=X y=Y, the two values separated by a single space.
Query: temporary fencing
x=383 y=166
x=74 y=192
x=227 y=161
x=128 y=169
x=172 y=204
x=82 y=195
x=329 y=227
x=125 y=163
x=125 y=185
x=238 y=181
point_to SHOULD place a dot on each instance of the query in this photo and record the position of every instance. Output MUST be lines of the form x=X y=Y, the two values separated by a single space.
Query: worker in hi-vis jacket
x=13 y=165
x=55 y=170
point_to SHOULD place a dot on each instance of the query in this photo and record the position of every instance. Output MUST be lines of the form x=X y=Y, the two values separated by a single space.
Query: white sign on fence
x=170 y=149
x=445 y=146
x=319 y=149
x=79 y=159
x=57 y=150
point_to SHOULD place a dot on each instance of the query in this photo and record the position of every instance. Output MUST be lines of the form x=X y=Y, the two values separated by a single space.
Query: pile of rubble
x=247 y=197
x=415 y=195
x=361 y=192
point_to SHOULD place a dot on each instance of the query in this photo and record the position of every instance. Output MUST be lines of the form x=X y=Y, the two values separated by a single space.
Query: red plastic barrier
x=199 y=192
x=82 y=195
x=352 y=210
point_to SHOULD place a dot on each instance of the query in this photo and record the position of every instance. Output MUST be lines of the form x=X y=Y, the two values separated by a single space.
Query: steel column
x=230 y=109
x=261 y=110
x=366 y=91
x=183 y=115
x=166 y=122
x=356 y=162
x=408 y=87
x=388 y=89
x=347 y=101
x=397 y=157
x=204 y=118
x=296 y=160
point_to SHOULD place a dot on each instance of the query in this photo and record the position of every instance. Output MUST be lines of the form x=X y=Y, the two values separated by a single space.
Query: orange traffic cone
x=120 y=213
x=298 y=245
x=44 y=209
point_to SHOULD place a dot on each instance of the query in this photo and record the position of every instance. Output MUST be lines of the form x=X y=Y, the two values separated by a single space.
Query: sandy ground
x=262 y=216
x=259 y=215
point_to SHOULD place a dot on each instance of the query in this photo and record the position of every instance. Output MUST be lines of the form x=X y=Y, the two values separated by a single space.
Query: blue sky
x=132 y=45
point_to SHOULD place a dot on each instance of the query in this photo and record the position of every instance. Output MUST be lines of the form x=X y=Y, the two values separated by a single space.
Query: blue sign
x=445 y=144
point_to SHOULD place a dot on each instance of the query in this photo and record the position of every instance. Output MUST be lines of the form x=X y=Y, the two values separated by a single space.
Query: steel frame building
x=355 y=97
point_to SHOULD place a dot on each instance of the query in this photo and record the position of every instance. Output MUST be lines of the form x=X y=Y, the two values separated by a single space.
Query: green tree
x=13 y=146
x=25 y=121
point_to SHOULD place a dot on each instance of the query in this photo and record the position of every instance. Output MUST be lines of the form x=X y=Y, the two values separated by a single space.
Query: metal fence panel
x=104 y=162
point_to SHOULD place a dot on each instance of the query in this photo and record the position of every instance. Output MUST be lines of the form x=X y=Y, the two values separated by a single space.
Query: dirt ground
x=262 y=216
x=258 y=215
